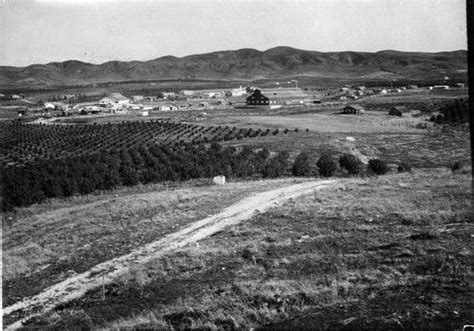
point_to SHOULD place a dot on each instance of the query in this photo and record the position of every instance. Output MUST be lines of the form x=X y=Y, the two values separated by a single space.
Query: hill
x=244 y=64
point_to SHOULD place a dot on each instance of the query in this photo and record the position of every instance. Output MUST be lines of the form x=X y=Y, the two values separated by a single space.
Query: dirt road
x=105 y=273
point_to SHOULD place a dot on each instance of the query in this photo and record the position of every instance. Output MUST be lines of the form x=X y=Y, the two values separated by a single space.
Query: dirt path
x=105 y=273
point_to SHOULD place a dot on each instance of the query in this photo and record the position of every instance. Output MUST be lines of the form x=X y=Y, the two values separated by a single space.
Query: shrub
x=326 y=165
x=276 y=166
x=350 y=163
x=458 y=165
x=302 y=165
x=404 y=167
x=378 y=167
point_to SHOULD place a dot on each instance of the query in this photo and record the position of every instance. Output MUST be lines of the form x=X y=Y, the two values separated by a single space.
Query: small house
x=167 y=107
x=398 y=110
x=237 y=92
x=353 y=109
x=49 y=106
x=187 y=92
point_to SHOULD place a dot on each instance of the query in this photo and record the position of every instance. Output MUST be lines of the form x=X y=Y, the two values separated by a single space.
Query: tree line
x=34 y=183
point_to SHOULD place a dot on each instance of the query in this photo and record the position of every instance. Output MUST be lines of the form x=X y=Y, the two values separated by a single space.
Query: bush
x=350 y=163
x=404 y=167
x=458 y=165
x=302 y=165
x=276 y=166
x=326 y=165
x=378 y=167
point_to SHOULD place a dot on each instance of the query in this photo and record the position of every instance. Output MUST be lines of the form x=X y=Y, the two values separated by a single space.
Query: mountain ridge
x=244 y=64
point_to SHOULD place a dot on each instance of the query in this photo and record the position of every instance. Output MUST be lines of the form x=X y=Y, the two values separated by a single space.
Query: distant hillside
x=244 y=64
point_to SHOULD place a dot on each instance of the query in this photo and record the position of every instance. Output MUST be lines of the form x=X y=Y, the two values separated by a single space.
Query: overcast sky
x=53 y=30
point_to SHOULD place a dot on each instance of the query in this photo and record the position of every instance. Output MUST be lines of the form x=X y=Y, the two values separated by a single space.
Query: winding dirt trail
x=105 y=273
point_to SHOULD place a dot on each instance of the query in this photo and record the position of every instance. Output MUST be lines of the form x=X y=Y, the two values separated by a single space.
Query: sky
x=45 y=31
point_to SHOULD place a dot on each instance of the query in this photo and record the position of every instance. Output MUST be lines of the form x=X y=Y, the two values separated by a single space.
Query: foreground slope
x=106 y=273
x=389 y=252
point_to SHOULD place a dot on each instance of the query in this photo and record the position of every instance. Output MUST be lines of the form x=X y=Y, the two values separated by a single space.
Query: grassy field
x=392 y=252
x=394 y=139
x=49 y=242
x=370 y=122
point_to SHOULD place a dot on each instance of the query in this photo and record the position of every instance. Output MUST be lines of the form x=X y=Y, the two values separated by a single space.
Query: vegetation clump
x=302 y=165
x=326 y=165
x=455 y=166
x=276 y=166
x=350 y=163
x=378 y=166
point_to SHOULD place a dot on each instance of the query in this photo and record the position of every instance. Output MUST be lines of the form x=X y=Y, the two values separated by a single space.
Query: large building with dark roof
x=278 y=97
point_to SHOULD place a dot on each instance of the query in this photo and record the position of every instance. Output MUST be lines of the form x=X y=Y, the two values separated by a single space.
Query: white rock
x=219 y=180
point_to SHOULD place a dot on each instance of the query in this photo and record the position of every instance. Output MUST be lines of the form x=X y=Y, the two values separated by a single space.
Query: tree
x=326 y=165
x=277 y=165
x=350 y=163
x=302 y=165
x=378 y=166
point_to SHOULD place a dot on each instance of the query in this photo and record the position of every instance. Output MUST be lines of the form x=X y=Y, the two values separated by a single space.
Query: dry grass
x=390 y=252
x=48 y=242
x=369 y=122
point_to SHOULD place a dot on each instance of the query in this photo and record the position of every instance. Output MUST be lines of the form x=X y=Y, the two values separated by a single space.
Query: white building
x=115 y=99
x=187 y=92
x=49 y=106
x=237 y=92
x=167 y=107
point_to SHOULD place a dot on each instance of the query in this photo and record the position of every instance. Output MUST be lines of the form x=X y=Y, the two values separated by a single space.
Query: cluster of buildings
x=200 y=100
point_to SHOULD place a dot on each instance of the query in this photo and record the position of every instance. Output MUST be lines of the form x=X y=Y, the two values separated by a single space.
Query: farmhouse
x=398 y=110
x=115 y=99
x=137 y=98
x=353 y=109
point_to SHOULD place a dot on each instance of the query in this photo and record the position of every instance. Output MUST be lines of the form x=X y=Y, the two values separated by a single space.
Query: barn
x=278 y=97
x=353 y=109
x=398 y=110
x=257 y=99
